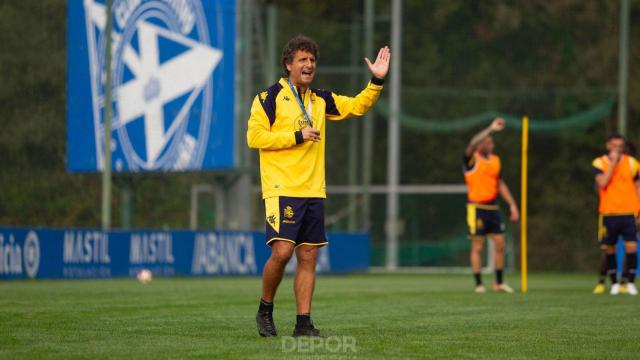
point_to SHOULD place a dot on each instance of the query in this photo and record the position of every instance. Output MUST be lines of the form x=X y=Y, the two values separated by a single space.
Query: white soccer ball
x=144 y=276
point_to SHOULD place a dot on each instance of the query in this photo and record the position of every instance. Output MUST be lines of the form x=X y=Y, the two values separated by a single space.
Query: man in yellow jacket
x=287 y=125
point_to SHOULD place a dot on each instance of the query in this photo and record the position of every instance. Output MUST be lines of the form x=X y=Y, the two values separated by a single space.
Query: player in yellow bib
x=616 y=175
x=482 y=173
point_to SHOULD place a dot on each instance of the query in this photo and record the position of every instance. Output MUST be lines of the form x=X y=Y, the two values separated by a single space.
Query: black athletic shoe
x=306 y=330
x=266 y=327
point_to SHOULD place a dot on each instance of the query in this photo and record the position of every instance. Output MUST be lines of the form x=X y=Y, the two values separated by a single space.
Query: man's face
x=302 y=68
x=615 y=145
x=486 y=146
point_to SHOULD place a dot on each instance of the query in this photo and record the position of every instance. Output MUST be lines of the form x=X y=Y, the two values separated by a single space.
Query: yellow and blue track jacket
x=289 y=166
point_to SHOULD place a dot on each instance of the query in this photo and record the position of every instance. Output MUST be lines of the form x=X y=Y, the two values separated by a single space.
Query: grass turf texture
x=390 y=316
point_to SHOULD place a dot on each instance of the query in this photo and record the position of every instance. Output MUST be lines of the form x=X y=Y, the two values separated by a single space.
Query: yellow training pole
x=523 y=196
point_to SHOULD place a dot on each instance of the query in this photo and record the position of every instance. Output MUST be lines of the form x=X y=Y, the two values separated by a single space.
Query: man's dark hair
x=298 y=43
x=616 y=136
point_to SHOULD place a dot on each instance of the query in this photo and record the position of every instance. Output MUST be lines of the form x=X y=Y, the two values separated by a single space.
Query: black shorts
x=483 y=220
x=296 y=220
x=612 y=227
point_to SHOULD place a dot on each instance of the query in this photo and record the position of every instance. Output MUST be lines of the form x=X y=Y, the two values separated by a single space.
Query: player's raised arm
x=340 y=107
x=498 y=124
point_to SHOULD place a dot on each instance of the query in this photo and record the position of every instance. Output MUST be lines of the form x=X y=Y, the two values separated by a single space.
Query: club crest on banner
x=166 y=85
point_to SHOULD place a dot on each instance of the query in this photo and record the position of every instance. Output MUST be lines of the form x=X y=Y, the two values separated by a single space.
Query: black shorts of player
x=296 y=220
x=612 y=227
x=483 y=220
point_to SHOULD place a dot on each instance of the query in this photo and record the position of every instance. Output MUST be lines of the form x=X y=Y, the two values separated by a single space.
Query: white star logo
x=154 y=84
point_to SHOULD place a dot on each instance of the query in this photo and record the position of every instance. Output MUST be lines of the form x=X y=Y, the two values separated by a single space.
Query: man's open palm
x=380 y=67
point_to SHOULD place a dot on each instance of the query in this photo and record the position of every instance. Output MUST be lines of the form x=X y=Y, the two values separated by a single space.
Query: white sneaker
x=631 y=289
x=480 y=289
x=615 y=289
x=502 y=288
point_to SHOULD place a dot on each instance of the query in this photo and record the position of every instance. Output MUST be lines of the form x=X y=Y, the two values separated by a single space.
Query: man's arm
x=636 y=176
x=340 y=107
x=603 y=178
x=260 y=136
x=497 y=125
x=506 y=195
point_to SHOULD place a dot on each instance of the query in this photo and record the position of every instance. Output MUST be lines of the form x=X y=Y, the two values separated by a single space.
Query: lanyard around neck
x=304 y=111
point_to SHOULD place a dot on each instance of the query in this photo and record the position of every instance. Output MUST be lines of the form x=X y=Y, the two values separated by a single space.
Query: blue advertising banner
x=173 y=80
x=89 y=253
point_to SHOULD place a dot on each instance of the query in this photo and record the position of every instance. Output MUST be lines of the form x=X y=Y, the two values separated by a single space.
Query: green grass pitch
x=388 y=316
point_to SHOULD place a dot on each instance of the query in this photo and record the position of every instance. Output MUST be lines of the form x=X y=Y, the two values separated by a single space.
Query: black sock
x=630 y=267
x=499 y=276
x=478 y=278
x=612 y=268
x=265 y=306
x=603 y=269
x=303 y=319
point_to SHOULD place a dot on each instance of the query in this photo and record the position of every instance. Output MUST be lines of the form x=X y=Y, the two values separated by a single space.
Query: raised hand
x=498 y=124
x=380 y=67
